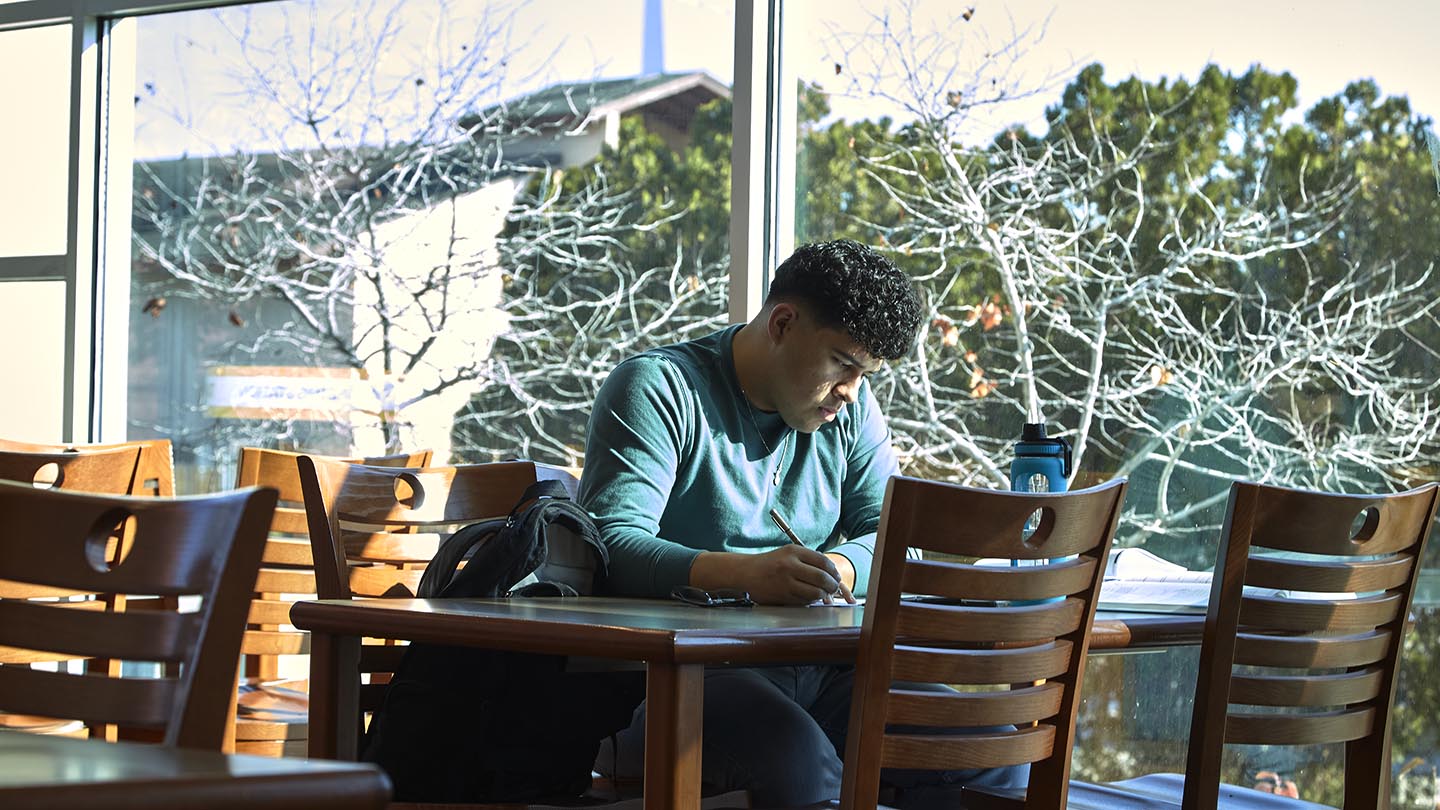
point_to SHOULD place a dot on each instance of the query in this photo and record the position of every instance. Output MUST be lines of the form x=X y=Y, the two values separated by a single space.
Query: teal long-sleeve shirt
x=677 y=462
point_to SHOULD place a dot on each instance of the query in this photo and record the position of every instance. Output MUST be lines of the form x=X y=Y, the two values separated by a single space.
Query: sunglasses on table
x=722 y=597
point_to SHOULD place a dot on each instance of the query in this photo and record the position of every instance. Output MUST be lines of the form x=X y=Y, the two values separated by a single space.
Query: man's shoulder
x=691 y=360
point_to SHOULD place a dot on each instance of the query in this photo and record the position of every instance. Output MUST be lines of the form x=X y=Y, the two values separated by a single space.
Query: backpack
x=546 y=546
x=461 y=724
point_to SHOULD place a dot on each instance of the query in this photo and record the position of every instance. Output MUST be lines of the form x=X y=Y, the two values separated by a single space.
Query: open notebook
x=1138 y=580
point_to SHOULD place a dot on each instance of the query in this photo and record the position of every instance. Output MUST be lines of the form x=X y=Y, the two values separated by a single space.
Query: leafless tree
x=1147 y=355
x=371 y=202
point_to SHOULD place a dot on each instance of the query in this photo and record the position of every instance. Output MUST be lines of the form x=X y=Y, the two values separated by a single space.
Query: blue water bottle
x=1041 y=465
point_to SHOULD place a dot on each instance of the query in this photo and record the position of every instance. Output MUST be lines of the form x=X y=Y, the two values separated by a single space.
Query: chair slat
x=962 y=581
x=392 y=548
x=1340 y=689
x=976 y=624
x=289 y=520
x=153 y=477
x=284 y=580
x=1066 y=528
x=1315 y=652
x=1355 y=576
x=93 y=699
x=1016 y=665
x=1316 y=615
x=1322 y=522
x=143 y=636
x=275 y=642
x=112 y=470
x=252 y=730
x=10 y=589
x=1299 y=729
x=269 y=612
x=165 y=566
x=992 y=749
x=293 y=551
x=974 y=709
x=429 y=496
x=376 y=581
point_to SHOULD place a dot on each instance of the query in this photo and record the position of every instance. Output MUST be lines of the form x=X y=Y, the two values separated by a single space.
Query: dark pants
x=779 y=732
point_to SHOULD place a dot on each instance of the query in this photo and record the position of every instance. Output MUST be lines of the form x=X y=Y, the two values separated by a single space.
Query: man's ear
x=781 y=321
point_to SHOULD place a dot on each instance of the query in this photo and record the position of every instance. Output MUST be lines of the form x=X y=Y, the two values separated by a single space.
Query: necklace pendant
x=776 y=477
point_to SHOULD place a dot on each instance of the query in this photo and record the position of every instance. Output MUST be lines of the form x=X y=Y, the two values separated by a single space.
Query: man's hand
x=789 y=575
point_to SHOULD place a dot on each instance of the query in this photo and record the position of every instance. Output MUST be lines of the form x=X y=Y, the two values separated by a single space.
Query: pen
x=784 y=527
x=790 y=533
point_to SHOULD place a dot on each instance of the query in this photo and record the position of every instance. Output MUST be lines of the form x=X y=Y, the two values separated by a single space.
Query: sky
x=1323 y=43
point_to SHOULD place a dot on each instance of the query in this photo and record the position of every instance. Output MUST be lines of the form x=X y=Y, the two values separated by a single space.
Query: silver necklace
x=780 y=464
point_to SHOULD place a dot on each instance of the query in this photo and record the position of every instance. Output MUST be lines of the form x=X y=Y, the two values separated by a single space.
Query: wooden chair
x=112 y=470
x=154 y=475
x=272 y=715
x=377 y=528
x=56 y=542
x=1012 y=639
x=1302 y=644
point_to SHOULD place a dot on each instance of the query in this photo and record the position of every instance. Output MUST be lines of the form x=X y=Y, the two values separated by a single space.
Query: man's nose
x=847 y=391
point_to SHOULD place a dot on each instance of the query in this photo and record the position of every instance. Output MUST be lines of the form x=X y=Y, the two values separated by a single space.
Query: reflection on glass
x=34 y=319
x=34 y=172
x=434 y=225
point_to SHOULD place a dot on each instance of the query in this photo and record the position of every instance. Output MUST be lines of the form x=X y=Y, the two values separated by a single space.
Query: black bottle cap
x=1033 y=432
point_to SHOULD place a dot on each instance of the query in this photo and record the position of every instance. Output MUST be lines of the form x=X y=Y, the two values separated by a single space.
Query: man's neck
x=748 y=350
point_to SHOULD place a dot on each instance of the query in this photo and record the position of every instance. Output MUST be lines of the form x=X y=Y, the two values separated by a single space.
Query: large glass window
x=417 y=224
x=34 y=174
x=1198 y=241
x=33 y=367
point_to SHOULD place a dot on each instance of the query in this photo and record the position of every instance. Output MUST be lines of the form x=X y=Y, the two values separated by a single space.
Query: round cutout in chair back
x=408 y=490
x=1038 y=527
x=1363 y=527
x=108 y=542
x=48 y=476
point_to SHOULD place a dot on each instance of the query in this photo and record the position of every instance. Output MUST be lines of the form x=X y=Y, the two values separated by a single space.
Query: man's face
x=817 y=371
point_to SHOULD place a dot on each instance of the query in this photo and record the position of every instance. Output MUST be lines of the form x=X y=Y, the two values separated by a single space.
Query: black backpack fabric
x=546 y=546
x=460 y=724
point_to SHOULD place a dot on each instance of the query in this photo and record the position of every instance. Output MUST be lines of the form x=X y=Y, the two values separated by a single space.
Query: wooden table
x=675 y=641
x=58 y=773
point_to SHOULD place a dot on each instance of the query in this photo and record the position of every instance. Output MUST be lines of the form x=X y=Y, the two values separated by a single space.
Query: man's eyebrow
x=854 y=361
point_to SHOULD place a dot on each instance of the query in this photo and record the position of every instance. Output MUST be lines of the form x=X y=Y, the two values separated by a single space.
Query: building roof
x=670 y=95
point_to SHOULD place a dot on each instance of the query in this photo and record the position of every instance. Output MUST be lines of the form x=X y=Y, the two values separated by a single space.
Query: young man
x=691 y=446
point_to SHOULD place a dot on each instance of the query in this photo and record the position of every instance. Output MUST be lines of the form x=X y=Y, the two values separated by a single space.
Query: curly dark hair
x=849 y=286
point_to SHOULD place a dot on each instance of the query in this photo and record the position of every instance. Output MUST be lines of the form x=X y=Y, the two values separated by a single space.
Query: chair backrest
x=155 y=474
x=110 y=472
x=379 y=526
x=1013 y=640
x=205 y=546
x=1303 y=633
x=287 y=567
x=135 y=468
